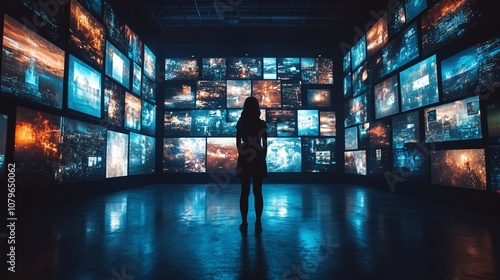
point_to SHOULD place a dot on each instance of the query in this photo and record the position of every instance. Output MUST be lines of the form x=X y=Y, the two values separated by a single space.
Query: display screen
x=3 y=143
x=348 y=85
x=133 y=109
x=270 y=68
x=244 y=68
x=401 y=50
x=351 y=138
x=82 y=152
x=133 y=46
x=284 y=155
x=36 y=147
x=94 y=6
x=411 y=162
x=387 y=97
x=327 y=123
x=148 y=118
x=213 y=69
x=355 y=162
x=360 y=82
x=150 y=63
x=267 y=92
x=148 y=89
x=177 y=123
x=494 y=168
x=318 y=154
x=319 y=98
x=459 y=75
x=364 y=136
x=380 y=133
x=86 y=35
x=489 y=65
x=32 y=67
x=397 y=20
x=84 y=88
x=377 y=37
x=419 y=85
x=208 y=122
x=358 y=52
x=237 y=92
x=317 y=70
x=308 y=122
x=117 y=65
x=184 y=155
x=355 y=111
x=281 y=122
x=288 y=68
x=459 y=120
x=181 y=96
x=378 y=161
x=414 y=7
x=405 y=129
x=493 y=119
x=448 y=20
x=136 y=78
x=181 y=69
x=117 y=154
x=291 y=94
x=141 y=154
x=459 y=168
x=115 y=27
x=211 y=94
x=114 y=103
x=222 y=155
x=346 y=63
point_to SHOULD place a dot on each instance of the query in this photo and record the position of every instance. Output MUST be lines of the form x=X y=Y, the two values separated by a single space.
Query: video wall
x=203 y=101
x=82 y=85
x=414 y=88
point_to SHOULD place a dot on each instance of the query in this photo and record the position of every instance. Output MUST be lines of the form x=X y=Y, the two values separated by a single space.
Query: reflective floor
x=309 y=232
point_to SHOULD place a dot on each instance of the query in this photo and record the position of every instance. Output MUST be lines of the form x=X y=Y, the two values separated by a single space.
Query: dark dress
x=251 y=156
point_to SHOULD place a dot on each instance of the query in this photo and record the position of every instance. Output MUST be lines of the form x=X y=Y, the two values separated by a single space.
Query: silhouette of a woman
x=251 y=141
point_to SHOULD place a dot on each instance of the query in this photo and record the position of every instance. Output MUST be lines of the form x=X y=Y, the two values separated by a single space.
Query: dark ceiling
x=277 y=21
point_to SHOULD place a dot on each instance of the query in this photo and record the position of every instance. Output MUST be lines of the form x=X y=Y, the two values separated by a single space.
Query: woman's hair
x=251 y=110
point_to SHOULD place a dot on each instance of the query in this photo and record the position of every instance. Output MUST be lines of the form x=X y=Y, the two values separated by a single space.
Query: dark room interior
x=121 y=121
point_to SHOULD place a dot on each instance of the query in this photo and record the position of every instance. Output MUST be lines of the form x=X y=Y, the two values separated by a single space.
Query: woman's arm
x=264 y=142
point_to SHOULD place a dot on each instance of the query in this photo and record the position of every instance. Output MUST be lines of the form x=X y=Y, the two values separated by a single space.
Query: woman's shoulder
x=262 y=123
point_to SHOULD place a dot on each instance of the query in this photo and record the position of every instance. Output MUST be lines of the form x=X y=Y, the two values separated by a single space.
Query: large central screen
x=419 y=86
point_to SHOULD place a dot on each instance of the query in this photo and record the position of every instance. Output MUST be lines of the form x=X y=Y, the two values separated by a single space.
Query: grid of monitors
x=202 y=109
x=413 y=103
x=102 y=122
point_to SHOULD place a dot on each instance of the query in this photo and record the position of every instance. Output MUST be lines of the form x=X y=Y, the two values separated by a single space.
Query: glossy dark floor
x=309 y=232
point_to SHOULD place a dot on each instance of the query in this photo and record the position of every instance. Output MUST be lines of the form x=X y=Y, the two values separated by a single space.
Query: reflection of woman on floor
x=251 y=141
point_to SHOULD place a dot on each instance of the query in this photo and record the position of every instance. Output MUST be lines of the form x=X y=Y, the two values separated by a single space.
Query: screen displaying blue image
x=316 y=70
x=346 y=63
x=355 y=162
x=308 y=122
x=270 y=72
x=281 y=122
x=489 y=65
x=148 y=118
x=358 y=52
x=117 y=154
x=364 y=136
x=356 y=111
x=213 y=68
x=244 y=68
x=401 y=50
x=348 y=85
x=180 y=96
x=378 y=162
x=318 y=154
x=149 y=63
x=177 y=123
x=94 y=6
x=291 y=94
x=133 y=110
x=284 y=154
x=181 y=69
x=386 y=98
x=133 y=46
x=115 y=26
x=184 y=155
x=237 y=92
x=459 y=75
x=397 y=19
x=136 y=79
x=141 y=154
x=288 y=68
x=413 y=8
x=360 y=81
x=117 y=65
x=459 y=120
x=84 y=88
x=3 y=143
x=351 y=138
x=211 y=94
x=148 y=89
x=411 y=162
x=419 y=85
x=494 y=167
x=32 y=67
x=319 y=98
x=405 y=129
x=208 y=122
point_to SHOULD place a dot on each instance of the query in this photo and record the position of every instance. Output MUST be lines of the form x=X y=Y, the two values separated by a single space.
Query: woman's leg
x=245 y=192
x=259 y=200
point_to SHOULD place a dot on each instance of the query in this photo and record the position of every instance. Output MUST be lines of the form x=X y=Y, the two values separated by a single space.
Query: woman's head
x=251 y=108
